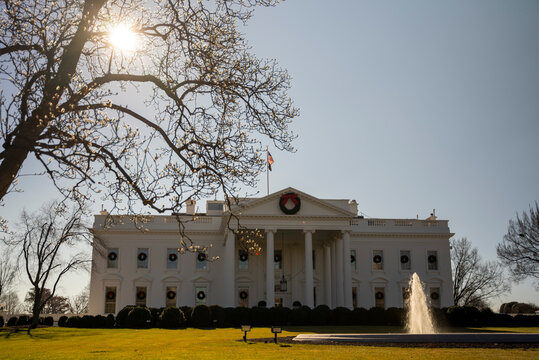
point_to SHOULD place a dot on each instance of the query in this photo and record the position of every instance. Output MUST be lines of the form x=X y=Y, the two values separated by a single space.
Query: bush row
x=26 y=320
x=203 y=316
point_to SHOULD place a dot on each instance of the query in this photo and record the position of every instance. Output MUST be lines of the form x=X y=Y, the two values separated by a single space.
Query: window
x=432 y=260
x=278 y=259
x=140 y=296
x=379 y=297
x=405 y=260
x=435 y=297
x=202 y=264
x=243 y=297
x=112 y=258
x=378 y=260
x=278 y=302
x=172 y=259
x=142 y=258
x=243 y=260
x=110 y=300
x=353 y=261
x=200 y=295
x=354 y=297
x=171 y=295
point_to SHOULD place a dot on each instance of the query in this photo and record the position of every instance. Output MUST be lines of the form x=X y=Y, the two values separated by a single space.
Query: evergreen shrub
x=201 y=317
x=109 y=322
x=12 y=321
x=48 y=321
x=139 y=317
x=121 y=318
x=218 y=316
x=62 y=321
x=23 y=320
x=321 y=315
x=172 y=318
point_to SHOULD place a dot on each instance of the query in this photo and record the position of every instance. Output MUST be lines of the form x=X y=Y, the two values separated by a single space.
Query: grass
x=66 y=343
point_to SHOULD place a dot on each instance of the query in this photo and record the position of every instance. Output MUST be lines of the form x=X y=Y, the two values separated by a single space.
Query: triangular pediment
x=310 y=206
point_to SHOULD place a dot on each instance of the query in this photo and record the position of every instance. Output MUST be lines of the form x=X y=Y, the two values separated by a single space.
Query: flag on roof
x=270 y=160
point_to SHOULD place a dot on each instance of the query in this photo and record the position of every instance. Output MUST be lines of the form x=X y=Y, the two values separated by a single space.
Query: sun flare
x=122 y=37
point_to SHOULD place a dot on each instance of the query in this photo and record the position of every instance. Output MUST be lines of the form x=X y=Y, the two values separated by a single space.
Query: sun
x=122 y=37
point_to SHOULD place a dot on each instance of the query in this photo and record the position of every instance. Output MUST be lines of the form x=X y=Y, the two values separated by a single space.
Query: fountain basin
x=501 y=338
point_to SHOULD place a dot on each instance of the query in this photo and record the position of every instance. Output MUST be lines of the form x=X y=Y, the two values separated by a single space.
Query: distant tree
x=79 y=303
x=11 y=302
x=54 y=305
x=474 y=280
x=46 y=241
x=8 y=270
x=519 y=249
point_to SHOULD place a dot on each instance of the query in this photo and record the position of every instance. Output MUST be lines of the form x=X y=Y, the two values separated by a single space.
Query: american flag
x=270 y=160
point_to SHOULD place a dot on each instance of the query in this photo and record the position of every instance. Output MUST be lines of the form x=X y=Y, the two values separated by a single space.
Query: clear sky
x=405 y=107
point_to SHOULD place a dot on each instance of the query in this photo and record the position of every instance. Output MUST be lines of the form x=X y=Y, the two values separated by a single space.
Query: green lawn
x=65 y=343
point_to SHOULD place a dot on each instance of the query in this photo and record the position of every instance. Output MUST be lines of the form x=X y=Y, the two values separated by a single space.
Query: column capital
x=270 y=230
x=345 y=232
x=312 y=231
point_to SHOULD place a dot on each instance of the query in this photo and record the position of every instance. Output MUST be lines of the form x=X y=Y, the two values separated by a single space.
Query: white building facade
x=313 y=251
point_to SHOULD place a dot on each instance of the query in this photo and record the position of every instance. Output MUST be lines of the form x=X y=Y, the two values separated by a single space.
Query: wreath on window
x=201 y=295
x=243 y=295
x=243 y=256
x=142 y=256
x=432 y=259
x=377 y=259
x=172 y=257
x=111 y=295
x=379 y=295
x=141 y=295
x=289 y=197
x=171 y=294
x=277 y=258
x=434 y=296
x=352 y=258
x=404 y=259
x=113 y=256
x=201 y=256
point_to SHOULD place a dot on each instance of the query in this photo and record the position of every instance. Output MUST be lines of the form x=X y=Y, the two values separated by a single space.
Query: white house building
x=315 y=251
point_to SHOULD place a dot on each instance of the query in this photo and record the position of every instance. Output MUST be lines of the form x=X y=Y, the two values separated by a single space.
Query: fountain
x=418 y=317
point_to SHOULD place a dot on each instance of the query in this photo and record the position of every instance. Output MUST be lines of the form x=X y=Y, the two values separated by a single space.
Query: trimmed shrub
x=100 y=322
x=300 y=316
x=279 y=316
x=522 y=308
x=242 y=316
x=260 y=316
x=12 y=321
x=121 y=318
x=296 y=304
x=218 y=317
x=156 y=314
x=506 y=307
x=341 y=316
x=109 y=322
x=139 y=318
x=187 y=311
x=1 y=321
x=73 y=322
x=172 y=318
x=321 y=315
x=201 y=316
x=23 y=320
x=463 y=316
x=359 y=316
x=48 y=321
x=262 y=303
x=395 y=316
x=376 y=316
x=62 y=321
x=87 y=321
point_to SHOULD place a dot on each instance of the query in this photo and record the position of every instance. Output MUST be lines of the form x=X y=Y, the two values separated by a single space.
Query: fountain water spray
x=419 y=318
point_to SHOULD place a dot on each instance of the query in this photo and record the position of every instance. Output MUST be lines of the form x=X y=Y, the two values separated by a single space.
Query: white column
x=270 y=269
x=347 y=270
x=327 y=274
x=309 y=296
x=339 y=270
x=230 y=273
x=333 y=275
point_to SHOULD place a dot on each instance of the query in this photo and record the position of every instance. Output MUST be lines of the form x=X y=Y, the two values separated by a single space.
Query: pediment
x=171 y=279
x=200 y=279
x=310 y=206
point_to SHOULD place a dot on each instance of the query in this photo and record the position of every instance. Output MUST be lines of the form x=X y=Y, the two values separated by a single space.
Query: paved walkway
x=424 y=338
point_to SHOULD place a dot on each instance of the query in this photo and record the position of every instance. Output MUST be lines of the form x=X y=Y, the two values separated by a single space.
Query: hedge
x=201 y=317
x=1 y=321
x=62 y=321
x=172 y=318
x=12 y=321
x=139 y=317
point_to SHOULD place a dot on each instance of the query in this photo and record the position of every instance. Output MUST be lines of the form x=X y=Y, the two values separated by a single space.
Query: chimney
x=353 y=206
x=191 y=205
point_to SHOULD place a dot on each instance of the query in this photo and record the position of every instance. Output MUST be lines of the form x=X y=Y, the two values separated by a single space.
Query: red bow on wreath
x=286 y=197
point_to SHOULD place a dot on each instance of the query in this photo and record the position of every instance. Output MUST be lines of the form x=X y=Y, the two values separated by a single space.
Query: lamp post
x=275 y=331
x=245 y=329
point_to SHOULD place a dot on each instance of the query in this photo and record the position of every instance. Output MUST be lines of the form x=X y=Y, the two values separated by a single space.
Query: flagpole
x=267 y=171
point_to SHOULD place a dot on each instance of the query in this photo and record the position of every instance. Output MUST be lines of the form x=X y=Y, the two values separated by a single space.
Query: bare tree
x=474 y=280
x=11 y=303
x=519 y=249
x=203 y=106
x=79 y=303
x=55 y=304
x=47 y=242
x=8 y=270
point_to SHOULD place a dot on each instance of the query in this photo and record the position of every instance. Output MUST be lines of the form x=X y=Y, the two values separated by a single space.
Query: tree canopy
x=197 y=109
